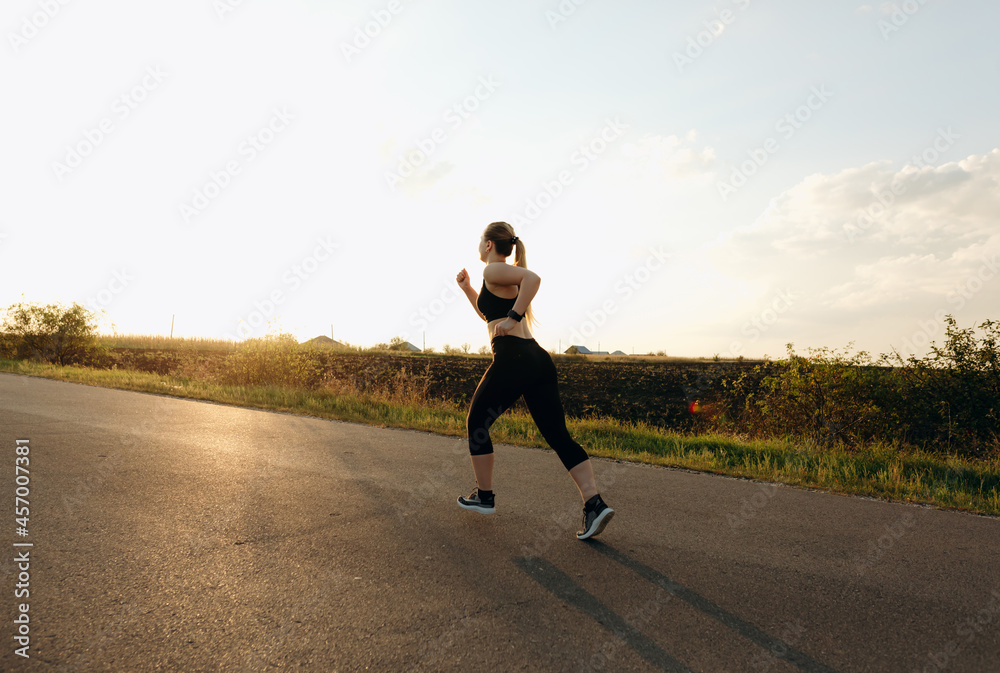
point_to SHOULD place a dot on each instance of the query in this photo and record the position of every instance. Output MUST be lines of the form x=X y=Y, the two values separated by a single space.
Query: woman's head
x=501 y=234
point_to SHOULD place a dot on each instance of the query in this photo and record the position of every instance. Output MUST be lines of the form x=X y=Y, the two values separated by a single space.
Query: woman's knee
x=479 y=441
x=477 y=425
x=573 y=457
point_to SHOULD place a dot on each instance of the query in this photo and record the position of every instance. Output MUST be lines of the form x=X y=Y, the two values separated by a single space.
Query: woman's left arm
x=500 y=273
x=504 y=274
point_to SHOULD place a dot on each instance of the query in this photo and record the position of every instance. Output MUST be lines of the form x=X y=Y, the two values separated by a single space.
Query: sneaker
x=483 y=505
x=594 y=520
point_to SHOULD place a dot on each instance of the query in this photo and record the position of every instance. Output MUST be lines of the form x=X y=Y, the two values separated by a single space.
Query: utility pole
x=331 y=330
x=424 y=343
x=172 y=316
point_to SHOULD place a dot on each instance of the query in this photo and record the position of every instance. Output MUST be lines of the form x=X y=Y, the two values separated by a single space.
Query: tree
x=52 y=332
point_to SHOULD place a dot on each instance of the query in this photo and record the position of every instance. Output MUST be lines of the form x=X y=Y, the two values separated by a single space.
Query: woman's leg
x=497 y=391
x=583 y=475
x=482 y=466
x=542 y=398
x=546 y=409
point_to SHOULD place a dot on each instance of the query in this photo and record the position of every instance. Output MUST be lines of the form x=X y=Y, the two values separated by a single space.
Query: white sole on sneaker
x=477 y=508
x=599 y=523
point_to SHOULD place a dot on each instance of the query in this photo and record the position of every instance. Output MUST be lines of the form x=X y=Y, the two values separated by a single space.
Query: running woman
x=520 y=367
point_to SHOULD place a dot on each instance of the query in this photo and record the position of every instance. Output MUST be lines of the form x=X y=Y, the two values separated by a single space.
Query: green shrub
x=952 y=396
x=271 y=360
x=948 y=401
x=52 y=332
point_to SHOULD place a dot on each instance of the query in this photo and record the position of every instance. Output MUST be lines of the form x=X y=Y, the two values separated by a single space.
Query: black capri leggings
x=521 y=367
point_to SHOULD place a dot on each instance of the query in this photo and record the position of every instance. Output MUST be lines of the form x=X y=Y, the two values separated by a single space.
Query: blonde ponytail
x=501 y=234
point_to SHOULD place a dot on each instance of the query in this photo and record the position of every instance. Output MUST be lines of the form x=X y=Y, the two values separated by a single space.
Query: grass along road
x=880 y=471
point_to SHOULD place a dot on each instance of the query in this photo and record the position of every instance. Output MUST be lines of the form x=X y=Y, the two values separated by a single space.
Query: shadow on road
x=564 y=588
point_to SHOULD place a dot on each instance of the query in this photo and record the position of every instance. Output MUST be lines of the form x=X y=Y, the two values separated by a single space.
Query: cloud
x=425 y=178
x=876 y=243
x=673 y=156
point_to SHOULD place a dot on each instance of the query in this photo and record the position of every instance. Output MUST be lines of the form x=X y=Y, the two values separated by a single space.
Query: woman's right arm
x=466 y=285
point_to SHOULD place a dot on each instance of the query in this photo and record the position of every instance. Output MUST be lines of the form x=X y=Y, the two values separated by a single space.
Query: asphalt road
x=174 y=535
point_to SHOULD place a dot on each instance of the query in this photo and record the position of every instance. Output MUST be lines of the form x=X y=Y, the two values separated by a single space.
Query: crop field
x=660 y=393
x=911 y=431
x=947 y=403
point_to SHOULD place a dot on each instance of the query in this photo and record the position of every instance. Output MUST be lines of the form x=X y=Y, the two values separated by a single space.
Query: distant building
x=323 y=341
x=619 y=352
x=411 y=347
x=583 y=350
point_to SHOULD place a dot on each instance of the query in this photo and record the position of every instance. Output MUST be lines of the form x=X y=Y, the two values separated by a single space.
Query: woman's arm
x=466 y=285
x=528 y=281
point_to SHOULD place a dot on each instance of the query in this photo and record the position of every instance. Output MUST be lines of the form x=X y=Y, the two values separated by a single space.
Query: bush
x=8 y=346
x=52 y=333
x=826 y=398
x=948 y=401
x=275 y=359
x=952 y=396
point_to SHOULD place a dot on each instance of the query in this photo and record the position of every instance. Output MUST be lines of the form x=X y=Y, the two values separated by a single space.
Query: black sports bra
x=492 y=306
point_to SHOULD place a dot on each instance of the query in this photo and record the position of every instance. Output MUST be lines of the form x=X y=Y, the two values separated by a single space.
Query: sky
x=697 y=178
